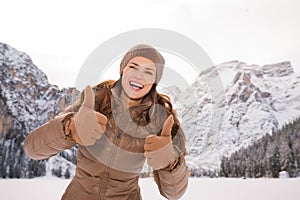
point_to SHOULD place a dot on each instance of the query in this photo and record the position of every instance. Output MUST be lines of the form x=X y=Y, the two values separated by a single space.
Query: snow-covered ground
x=199 y=189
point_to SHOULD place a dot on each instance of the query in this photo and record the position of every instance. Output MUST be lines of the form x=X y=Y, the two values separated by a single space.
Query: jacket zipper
x=113 y=152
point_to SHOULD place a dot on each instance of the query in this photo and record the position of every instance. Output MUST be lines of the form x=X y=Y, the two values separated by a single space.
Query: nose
x=139 y=74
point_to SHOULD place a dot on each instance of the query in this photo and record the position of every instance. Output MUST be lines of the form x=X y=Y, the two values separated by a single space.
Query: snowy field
x=199 y=189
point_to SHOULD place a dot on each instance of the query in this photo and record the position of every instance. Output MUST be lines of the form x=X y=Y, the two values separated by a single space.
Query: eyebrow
x=135 y=63
x=147 y=68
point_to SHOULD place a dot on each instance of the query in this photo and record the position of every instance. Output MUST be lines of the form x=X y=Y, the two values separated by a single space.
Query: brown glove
x=87 y=125
x=159 y=150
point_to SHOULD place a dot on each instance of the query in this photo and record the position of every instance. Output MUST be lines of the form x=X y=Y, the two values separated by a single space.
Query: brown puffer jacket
x=109 y=169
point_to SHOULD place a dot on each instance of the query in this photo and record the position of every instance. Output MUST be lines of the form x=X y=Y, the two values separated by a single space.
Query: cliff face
x=27 y=100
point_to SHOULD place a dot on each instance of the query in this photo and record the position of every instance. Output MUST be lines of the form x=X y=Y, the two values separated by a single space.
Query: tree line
x=267 y=157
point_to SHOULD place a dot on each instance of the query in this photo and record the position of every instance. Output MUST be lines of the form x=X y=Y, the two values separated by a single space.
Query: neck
x=128 y=102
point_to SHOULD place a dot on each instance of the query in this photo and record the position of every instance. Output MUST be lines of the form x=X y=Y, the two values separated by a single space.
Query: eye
x=132 y=67
x=149 y=73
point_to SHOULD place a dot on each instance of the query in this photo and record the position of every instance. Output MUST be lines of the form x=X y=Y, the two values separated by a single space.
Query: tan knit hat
x=145 y=51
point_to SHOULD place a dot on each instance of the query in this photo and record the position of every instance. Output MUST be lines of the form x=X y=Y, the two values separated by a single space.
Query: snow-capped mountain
x=254 y=101
x=27 y=100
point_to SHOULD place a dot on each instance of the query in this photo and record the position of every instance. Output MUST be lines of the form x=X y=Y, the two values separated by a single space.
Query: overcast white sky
x=59 y=35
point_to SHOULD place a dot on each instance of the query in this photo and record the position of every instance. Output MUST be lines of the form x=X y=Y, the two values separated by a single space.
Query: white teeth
x=134 y=84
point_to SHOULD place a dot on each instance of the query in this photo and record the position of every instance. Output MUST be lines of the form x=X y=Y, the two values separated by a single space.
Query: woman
x=117 y=125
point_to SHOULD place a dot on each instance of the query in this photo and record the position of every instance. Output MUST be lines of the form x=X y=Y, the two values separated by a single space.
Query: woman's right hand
x=87 y=125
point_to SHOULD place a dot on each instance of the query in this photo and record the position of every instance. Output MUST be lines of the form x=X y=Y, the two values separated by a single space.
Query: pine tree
x=59 y=172
x=275 y=163
x=67 y=174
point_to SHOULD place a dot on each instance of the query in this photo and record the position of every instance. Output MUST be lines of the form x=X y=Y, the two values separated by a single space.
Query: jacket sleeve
x=173 y=185
x=48 y=139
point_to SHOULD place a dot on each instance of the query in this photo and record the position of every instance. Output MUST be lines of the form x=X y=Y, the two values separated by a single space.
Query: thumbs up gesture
x=87 y=125
x=159 y=150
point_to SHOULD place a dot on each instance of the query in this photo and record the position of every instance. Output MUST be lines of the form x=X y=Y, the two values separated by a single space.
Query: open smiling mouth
x=136 y=85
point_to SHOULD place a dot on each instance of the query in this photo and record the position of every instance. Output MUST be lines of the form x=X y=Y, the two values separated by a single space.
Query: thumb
x=89 y=98
x=166 y=131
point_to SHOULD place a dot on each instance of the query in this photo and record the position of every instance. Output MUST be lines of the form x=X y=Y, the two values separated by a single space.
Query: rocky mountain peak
x=257 y=101
x=279 y=69
x=27 y=100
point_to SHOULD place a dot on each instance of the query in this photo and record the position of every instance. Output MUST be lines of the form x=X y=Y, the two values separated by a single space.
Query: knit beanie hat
x=145 y=51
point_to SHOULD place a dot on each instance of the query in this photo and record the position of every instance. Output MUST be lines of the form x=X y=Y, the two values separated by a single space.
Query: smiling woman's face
x=138 y=77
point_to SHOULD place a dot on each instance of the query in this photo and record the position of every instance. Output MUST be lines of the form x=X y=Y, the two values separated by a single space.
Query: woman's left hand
x=159 y=150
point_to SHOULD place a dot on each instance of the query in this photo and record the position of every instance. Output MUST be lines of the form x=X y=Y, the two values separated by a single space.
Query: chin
x=136 y=97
